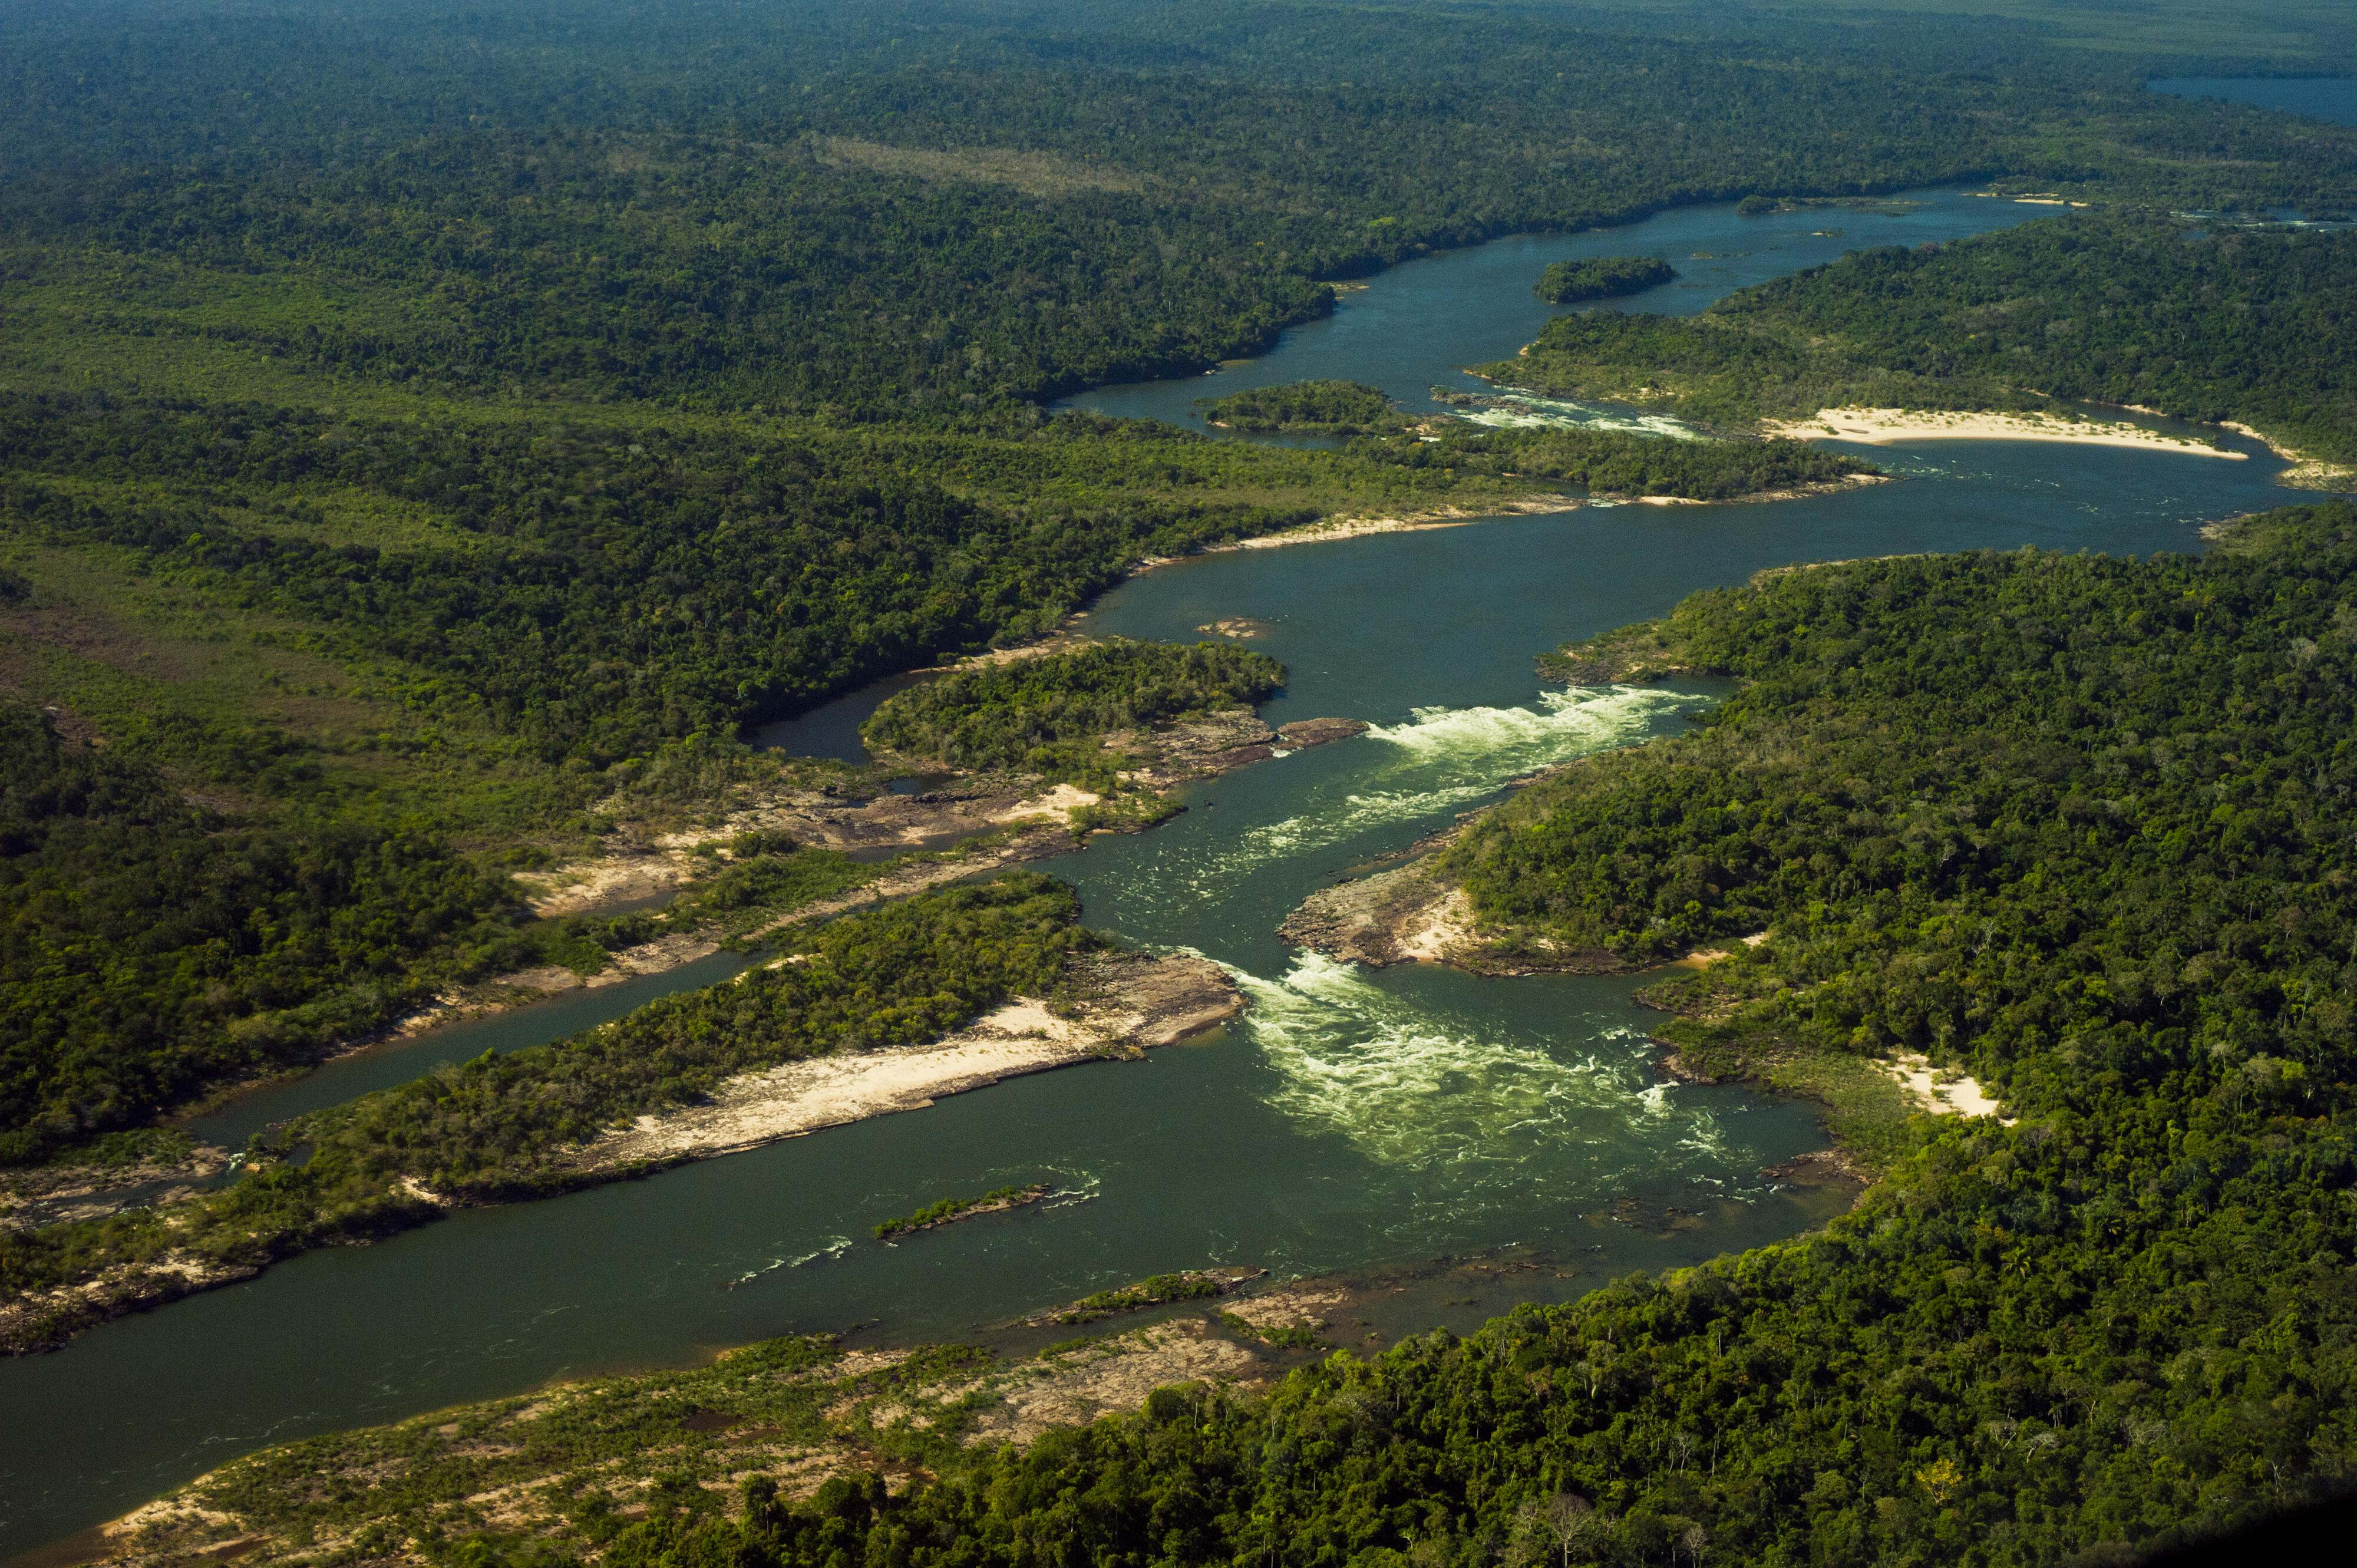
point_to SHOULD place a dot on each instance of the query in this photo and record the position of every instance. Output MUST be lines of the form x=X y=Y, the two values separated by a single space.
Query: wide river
x=1375 y=1124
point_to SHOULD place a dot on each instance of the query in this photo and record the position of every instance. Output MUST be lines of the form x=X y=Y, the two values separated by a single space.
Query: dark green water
x=1351 y=1122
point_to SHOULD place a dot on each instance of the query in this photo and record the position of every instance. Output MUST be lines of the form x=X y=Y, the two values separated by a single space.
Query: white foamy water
x=1438 y=760
x=835 y=1248
x=1526 y=411
x=1419 y=1091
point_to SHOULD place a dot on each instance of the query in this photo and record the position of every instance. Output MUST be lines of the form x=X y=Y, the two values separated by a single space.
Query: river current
x=1357 y=1121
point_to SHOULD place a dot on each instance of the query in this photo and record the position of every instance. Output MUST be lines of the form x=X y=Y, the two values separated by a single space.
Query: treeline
x=151 y=947
x=2071 y=821
x=599 y=591
x=2230 y=324
x=1033 y=713
x=1616 y=463
x=1607 y=277
x=515 y=632
x=1329 y=408
x=865 y=210
x=500 y=1128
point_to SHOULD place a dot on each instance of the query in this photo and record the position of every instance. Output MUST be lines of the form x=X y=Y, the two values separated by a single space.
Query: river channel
x=1353 y=1121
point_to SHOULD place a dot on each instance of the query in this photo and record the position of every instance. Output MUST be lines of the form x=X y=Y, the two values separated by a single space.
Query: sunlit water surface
x=1352 y=1121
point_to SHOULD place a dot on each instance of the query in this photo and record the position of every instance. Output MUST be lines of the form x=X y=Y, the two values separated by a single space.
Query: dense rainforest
x=431 y=438
x=2218 y=323
x=459 y=427
x=1026 y=712
x=2073 y=822
x=1322 y=408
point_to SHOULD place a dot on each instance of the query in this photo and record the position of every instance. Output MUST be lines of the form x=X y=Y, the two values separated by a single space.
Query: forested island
x=1308 y=408
x=1064 y=715
x=2098 y=309
x=1609 y=277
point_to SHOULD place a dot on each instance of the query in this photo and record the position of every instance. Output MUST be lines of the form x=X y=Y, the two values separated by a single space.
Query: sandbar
x=1881 y=427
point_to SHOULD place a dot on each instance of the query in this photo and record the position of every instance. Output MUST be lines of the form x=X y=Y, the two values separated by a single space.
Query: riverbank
x=1130 y=1004
x=376 y=1171
x=1327 y=531
x=801 y=1411
x=1883 y=426
x=2306 y=473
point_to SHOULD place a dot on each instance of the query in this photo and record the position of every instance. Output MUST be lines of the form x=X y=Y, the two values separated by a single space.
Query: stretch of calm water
x=2330 y=97
x=1353 y=1120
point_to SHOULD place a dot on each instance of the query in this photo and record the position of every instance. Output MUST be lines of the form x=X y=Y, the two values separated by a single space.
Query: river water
x=2332 y=97
x=1351 y=1122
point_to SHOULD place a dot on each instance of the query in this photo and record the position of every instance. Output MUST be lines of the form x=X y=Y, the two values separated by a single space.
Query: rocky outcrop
x=1318 y=732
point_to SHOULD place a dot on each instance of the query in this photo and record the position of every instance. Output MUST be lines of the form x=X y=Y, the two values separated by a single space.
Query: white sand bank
x=1882 y=427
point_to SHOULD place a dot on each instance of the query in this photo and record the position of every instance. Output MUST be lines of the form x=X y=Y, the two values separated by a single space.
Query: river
x=1351 y=1122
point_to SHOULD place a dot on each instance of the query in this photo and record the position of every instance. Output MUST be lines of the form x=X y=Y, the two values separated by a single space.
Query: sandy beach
x=1881 y=427
x=1145 y=1002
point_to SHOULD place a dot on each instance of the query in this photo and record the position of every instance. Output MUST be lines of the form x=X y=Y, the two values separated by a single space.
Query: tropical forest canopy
x=432 y=435
x=520 y=1125
x=1334 y=408
x=453 y=426
x=2075 y=822
x=1002 y=715
x=2217 y=324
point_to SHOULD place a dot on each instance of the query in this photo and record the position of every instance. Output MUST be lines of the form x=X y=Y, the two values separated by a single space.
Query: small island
x=1608 y=277
x=1306 y=408
x=950 y=1211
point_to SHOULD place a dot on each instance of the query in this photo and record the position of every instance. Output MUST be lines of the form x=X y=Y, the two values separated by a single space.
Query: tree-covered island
x=1607 y=277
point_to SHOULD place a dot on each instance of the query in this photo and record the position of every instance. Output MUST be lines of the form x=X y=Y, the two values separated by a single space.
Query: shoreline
x=1885 y=426
x=1132 y=1004
x=2306 y=473
x=1327 y=530
x=1160 y=1002
x=1239 y=1327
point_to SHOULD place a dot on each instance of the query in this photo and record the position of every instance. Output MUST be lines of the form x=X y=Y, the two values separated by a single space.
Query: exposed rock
x=1409 y=916
x=1318 y=732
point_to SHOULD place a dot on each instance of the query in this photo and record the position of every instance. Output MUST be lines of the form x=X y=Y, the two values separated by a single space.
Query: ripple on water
x=1414 y=1088
x=1440 y=758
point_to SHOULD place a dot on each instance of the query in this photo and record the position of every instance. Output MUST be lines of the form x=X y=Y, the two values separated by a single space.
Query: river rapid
x=1373 y=1123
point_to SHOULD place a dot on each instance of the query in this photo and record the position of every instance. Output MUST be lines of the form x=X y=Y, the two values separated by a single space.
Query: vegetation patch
x=1325 y=408
x=1608 y=277
x=2227 y=324
x=949 y=1210
x=500 y=1128
x=1050 y=714
x=1158 y=1289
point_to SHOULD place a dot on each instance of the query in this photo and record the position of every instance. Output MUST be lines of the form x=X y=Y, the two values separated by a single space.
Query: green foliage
x=150 y=946
x=1046 y=713
x=1156 y=1290
x=1615 y=462
x=1333 y=408
x=2235 y=324
x=811 y=206
x=515 y=1126
x=2072 y=822
x=762 y=885
x=1607 y=277
x=898 y=975
x=949 y=1209
x=601 y=595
